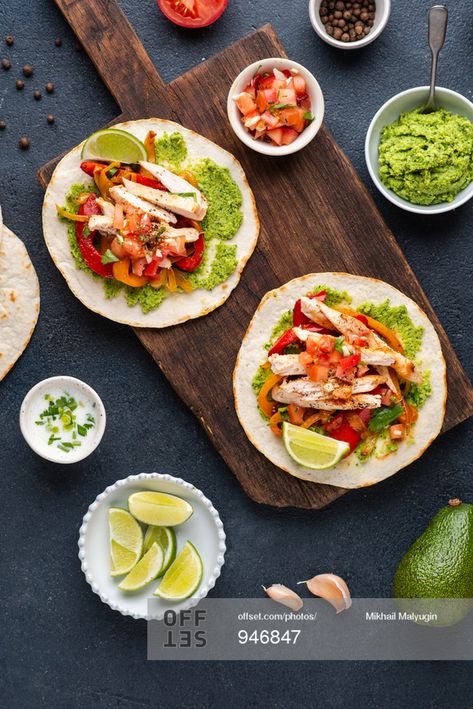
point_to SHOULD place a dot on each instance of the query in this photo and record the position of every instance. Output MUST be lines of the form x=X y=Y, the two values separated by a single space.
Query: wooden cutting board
x=316 y=215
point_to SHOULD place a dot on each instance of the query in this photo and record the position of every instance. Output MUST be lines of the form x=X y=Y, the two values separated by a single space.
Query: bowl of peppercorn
x=349 y=25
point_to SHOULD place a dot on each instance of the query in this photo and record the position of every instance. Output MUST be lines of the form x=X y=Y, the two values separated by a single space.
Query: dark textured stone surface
x=60 y=646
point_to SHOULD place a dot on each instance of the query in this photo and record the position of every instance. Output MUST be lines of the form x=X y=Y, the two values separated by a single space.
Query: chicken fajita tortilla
x=332 y=359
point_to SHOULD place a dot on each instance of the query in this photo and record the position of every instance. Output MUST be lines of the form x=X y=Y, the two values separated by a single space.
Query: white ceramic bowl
x=390 y=112
x=204 y=529
x=66 y=384
x=317 y=109
x=383 y=10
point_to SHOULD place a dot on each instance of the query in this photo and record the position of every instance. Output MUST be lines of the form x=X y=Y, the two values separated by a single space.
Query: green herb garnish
x=308 y=116
x=382 y=418
x=186 y=194
x=339 y=344
x=109 y=257
x=59 y=417
x=85 y=231
x=281 y=105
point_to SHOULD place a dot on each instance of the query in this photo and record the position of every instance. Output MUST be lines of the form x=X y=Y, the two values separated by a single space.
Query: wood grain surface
x=328 y=222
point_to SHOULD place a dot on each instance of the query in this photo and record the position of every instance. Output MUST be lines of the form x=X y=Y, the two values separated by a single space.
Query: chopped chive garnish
x=59 y=417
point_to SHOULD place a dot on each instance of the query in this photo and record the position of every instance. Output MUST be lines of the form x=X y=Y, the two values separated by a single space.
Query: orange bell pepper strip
x=274 y=422
x=182 y=282
x=265 y=405
x=70 y=215
x=149 y=146
x=121 y=271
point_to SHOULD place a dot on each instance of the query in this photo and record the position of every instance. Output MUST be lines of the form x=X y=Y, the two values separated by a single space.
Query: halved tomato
x=192 y=13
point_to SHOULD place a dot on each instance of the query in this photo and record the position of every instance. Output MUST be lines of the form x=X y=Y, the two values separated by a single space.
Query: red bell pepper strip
x=362 y=318
x=191 y=263
x=90 y=165
x=149 y=182
x=347 y=434
x=286 y=339
x=90 y=254
x=152 y=268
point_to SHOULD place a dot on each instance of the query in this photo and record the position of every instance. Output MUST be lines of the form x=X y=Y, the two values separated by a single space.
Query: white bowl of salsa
x=310 y=102
x=62 y=419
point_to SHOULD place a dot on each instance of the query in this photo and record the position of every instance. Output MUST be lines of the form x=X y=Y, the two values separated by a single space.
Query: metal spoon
x=438 y=17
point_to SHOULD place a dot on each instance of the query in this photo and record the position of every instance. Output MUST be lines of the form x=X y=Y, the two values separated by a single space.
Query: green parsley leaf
x=109 y=257
x=339 y=344
x=308 y=116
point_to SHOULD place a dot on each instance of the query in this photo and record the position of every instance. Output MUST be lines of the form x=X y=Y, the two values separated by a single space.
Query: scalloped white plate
x=204 y=529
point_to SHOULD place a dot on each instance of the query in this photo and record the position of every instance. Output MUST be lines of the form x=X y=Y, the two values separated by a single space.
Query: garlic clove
x=332 y=588
x=281 y=594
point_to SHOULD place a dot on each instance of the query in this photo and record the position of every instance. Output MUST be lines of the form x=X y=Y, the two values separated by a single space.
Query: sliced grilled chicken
x=177 y=185
x=351 y=328
x=311 y=309
x=326 y=403
x=103 y=223
x=122 y=196
x=177 y=203
x=286 y=365
x=376 y=357
x=107 y=207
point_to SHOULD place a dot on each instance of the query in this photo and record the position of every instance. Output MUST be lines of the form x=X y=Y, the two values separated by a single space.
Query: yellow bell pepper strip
x=102 y=181
x=274 y=422
x=310 y=420
x=265 y=405
x=182 y=282
x=149 y=146
x=69 y=215
x=171 y=284
x=121 y=271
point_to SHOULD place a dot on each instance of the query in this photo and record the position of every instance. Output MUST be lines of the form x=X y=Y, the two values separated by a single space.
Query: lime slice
x=158 y=508
x=183 y=577
x=114 y=145
x=126 y=541
x=166 y=538
x=311 y=449
x=146 y=570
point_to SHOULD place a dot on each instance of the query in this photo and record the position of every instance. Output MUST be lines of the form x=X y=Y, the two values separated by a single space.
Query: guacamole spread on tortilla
x=427 y=158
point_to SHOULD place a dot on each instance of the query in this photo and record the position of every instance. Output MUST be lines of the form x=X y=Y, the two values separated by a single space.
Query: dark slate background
x=60 y=647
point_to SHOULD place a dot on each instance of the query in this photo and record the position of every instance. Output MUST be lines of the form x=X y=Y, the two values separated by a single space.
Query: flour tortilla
x=349 y=473
x=178 y=307
x=19 y=299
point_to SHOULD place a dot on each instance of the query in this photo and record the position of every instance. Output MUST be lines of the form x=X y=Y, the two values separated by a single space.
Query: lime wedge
x=126 y=541
x=166 y=538
x=115 y=145
x=311 y=449
x=158 y=508
x=146 y=570
x=183 y=577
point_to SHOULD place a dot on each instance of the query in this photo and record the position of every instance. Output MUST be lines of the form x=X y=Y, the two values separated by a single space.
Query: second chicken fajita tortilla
x=156 y=242
x=347 y=358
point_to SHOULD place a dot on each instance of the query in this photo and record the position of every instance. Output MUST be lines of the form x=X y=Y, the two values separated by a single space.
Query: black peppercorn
x=3 y=125
x=49 y=87
x=58 y=42
x=27 y=70
x=347 y=21
x=50 y=118
x=20 y=84
x=24 y=143
x=37 y=95
x=6 y=64
x=9 y=40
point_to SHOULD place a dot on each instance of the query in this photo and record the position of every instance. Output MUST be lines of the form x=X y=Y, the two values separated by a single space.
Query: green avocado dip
x=220 y=225
x=397 y=319
x=427 y=158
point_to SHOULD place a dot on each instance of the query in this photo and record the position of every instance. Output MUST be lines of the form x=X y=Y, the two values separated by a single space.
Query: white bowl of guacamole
x=423 y=164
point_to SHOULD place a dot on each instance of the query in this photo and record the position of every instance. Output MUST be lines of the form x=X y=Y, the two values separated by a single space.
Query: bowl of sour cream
x=62 y=419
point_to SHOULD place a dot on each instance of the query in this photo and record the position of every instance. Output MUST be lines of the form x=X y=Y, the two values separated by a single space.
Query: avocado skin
x=440 y=562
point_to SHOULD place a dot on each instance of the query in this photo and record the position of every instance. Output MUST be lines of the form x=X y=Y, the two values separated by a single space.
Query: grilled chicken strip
x=103 y=223
x=286 y=365
x=176 y=184
x=122 y=196
x=323 y=402
x=185 y=206
x=107 y=207
x=351 y=328
x=311 y=309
